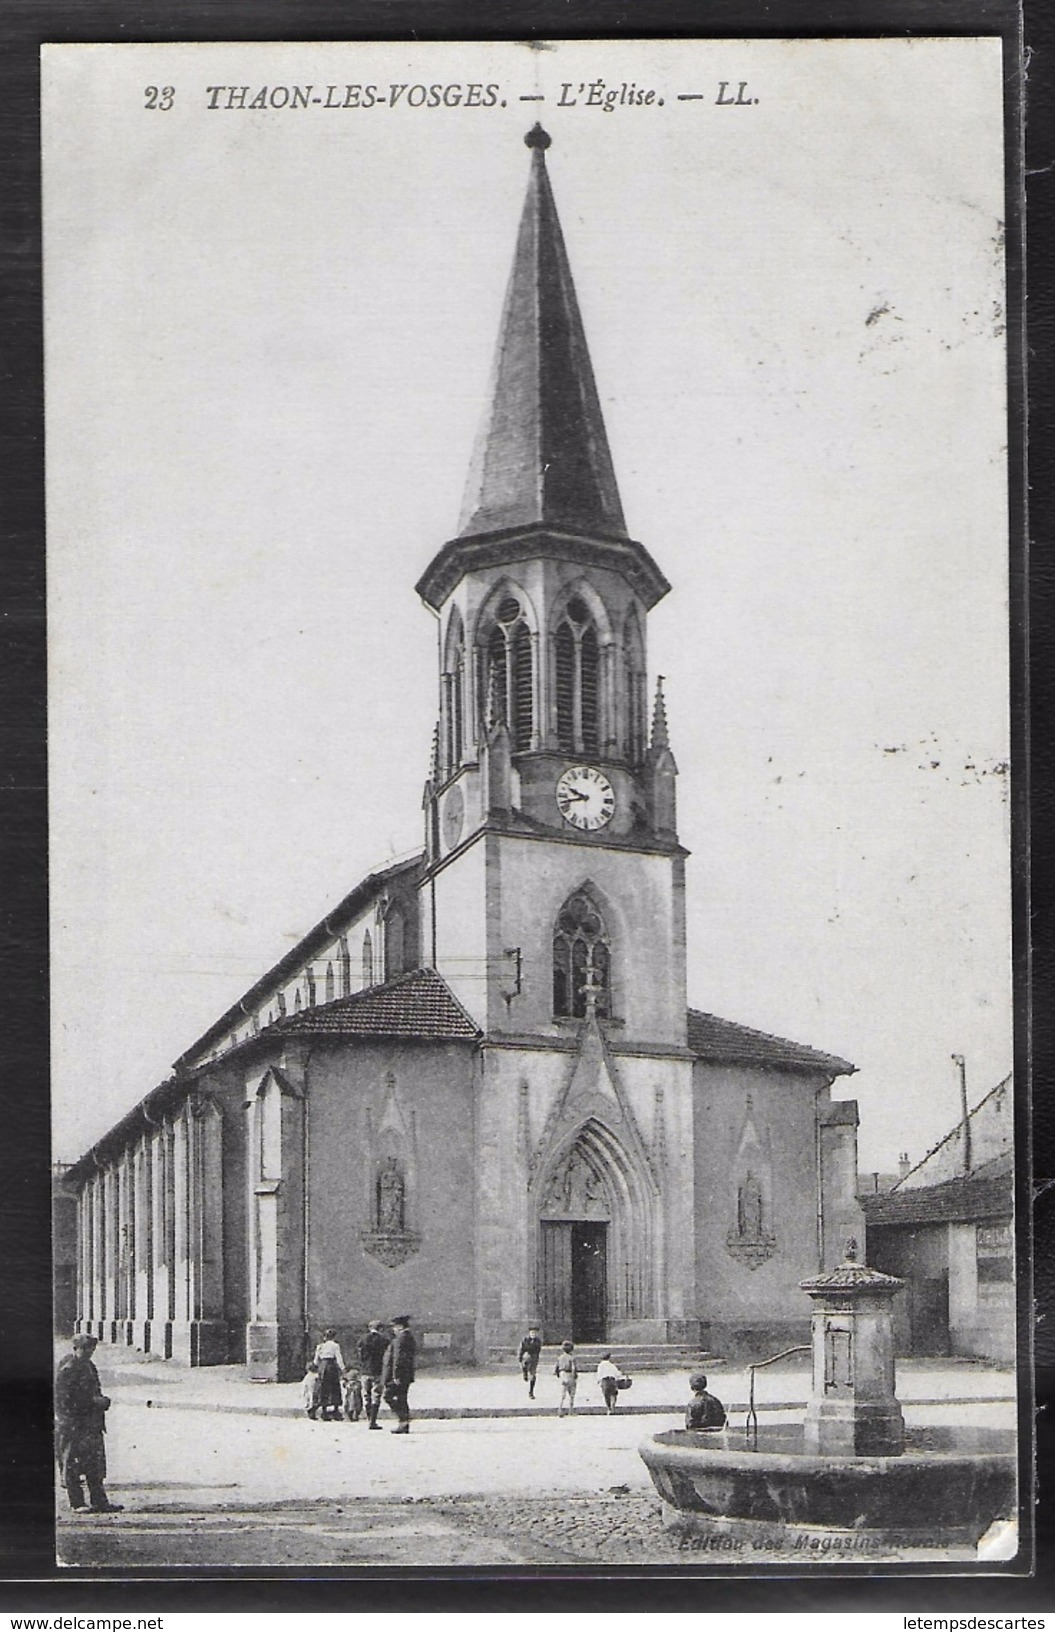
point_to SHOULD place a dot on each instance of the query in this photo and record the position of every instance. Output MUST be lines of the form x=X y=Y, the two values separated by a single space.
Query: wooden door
x=929 y=1305
x=589 y=1282
x=555 y=1280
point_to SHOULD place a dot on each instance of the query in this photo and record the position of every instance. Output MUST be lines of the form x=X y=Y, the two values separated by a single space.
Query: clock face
x=585 y=798
x=453 y=814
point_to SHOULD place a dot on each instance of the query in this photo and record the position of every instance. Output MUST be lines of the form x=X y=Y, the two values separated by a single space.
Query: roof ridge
x=423 y=971
x=957 y=1125
x=807 y=1053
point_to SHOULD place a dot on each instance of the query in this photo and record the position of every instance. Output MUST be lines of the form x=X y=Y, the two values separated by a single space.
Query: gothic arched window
x=634 y=683
x=453 y=695
x=329 y=983
x=345 y=961
x=578 y=664
x=582 y=958
x=507 y=674
x=368 y=960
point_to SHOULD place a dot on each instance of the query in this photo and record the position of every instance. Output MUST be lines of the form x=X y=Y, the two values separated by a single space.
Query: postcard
x=528 y=558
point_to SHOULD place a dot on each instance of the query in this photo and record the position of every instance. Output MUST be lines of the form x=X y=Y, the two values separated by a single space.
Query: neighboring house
x=950 y=1235
x=475 y=1091
x=991 y=1134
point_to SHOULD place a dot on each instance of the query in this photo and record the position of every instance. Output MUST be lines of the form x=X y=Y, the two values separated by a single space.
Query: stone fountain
x=850 y=1481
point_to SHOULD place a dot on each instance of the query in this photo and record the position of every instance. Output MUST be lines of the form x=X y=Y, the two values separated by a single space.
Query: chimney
x=903 y=1166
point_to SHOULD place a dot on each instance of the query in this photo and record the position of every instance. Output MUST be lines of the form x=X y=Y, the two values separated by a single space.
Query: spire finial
x=660 y=732
x=538 y=138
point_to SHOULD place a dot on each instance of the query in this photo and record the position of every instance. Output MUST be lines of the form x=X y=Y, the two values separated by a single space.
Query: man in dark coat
x=80 y=1423
x=371 y=1350
x=704 y=1411
x=397 y=1372
x=530 y=1349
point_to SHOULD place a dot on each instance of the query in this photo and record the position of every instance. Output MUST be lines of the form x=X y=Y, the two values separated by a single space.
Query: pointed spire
x=542 y=455
x=660 y=732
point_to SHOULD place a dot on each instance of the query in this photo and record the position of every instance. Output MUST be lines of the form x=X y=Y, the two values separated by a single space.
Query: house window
x=582 y=958
x=578 y=678
x=507 y=674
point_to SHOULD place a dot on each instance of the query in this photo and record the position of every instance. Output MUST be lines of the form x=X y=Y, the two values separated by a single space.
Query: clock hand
x=570 y=793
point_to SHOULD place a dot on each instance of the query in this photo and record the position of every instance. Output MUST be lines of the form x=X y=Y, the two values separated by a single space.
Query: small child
x=310 y=1387
x=352 y=1393
x=703 y=1410
x=611 y=1380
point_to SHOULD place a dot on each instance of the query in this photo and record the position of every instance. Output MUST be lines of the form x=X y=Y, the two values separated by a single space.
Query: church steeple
x=542 y=469
x=542 y=454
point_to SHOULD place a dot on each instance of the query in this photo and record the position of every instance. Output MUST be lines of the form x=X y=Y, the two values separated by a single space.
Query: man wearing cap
x=80 y=1423
x=371 y=1349
x=397 y=1371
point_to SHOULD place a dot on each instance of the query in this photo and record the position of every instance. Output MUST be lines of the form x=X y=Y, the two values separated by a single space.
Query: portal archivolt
x=592 y=1180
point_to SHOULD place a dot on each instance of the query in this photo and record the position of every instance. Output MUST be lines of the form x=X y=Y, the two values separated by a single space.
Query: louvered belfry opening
x=578 y=678
x=635 y=690
x=507 y=678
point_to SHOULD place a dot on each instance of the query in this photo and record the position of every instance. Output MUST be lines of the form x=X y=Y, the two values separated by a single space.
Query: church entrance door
x=574 y=1280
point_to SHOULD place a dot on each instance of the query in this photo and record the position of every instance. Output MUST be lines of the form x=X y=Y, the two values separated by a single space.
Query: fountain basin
x=943 y=1492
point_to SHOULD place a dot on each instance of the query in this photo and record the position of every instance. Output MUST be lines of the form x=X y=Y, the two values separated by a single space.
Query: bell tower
x=543 y=741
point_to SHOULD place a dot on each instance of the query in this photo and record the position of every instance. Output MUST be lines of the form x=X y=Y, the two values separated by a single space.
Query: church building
x=475 y=1091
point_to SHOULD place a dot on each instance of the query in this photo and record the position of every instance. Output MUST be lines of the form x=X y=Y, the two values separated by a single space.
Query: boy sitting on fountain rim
x=704 y=1411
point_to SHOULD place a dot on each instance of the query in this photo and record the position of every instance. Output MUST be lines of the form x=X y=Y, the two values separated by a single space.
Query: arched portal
x=595 y=1238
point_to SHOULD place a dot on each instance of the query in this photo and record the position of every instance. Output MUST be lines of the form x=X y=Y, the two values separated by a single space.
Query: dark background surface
x=26 y=1535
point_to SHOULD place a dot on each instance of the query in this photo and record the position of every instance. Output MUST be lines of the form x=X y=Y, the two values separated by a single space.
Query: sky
x=268 y=336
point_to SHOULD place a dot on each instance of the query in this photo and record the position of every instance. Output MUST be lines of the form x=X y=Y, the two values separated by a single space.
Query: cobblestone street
x=215 y=1471
x=498 y=1531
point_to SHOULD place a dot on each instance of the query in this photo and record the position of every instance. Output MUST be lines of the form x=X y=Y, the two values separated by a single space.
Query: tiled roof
x=418 y=1004
x=851 y=1277
x=724 y=1041
x=957 y=1201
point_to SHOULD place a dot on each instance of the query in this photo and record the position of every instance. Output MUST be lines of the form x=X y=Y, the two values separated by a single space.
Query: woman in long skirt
x=330 y=1361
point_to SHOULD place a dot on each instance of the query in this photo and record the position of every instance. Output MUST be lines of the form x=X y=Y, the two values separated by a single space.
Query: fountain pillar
x=853 y=1410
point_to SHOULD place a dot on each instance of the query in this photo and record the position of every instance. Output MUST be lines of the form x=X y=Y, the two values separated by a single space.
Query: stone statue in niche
x=749 y=1209
x=391 y=1198
x=390 y=1240
x=750 y=1241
